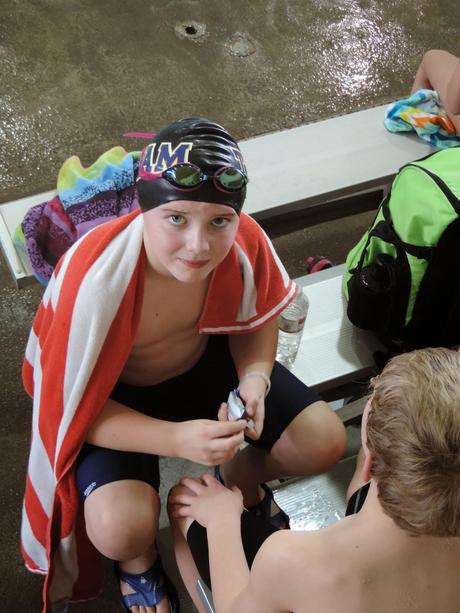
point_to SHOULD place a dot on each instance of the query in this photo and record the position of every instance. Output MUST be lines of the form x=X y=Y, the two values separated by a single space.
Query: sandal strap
x=151 y=587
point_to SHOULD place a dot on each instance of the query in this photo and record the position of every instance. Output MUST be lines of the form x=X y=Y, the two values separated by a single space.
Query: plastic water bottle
x=291 y=322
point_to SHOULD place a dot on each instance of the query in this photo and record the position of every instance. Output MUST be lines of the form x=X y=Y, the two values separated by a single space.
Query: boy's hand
x=252 y=391
x=209 y=442
x=208 y=502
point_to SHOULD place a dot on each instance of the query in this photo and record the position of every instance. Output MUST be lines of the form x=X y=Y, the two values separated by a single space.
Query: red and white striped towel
x=80 y=340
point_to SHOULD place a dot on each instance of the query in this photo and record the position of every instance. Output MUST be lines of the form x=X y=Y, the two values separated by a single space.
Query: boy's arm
x=119 y=427
x=219 y=509
x=440 y=70
x=255 y=351
x=253 y=354
x=200 y=440
x=227 y=562
x=277 y=580
x=261 y=590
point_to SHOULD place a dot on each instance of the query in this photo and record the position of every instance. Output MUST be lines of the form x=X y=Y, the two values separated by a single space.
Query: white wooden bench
x=320 y=162
x=333 y=353
x=290 y=171
x=11 y=214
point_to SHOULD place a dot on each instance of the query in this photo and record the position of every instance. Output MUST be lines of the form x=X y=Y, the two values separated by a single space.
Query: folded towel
x=86 y=198
x=423 y=112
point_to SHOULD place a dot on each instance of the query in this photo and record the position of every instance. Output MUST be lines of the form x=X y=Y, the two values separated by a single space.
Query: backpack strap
x=381 y=229
x=451 y=197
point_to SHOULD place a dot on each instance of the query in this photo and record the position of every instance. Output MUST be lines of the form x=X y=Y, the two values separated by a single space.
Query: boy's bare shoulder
x=292 y=570
x=289 y=554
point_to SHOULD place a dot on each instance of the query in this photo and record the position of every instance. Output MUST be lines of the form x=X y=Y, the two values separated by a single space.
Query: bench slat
x=11 y=215
x=352 y=410
x=323 y=161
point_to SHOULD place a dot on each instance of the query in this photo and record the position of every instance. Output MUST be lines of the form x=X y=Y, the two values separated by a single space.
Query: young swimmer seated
x=146 y=326
x=399 y=552
x=440 y=70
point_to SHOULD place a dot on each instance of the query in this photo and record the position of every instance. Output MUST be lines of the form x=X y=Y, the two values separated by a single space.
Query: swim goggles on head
x=188 y=176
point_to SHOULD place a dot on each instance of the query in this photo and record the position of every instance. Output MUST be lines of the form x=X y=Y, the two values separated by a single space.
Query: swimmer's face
x=187 y=240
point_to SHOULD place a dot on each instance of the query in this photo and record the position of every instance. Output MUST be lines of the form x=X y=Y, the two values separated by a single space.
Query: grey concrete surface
x=76 y=75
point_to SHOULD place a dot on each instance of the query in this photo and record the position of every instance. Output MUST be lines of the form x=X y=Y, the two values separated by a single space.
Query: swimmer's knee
x=316 y=437
x=122 y=518
x=329 y=440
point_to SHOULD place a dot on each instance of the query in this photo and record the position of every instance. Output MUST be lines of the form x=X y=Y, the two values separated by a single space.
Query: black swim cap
x=197 y=141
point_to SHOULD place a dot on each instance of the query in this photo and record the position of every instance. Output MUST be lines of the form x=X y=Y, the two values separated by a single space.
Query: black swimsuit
x=196 y=394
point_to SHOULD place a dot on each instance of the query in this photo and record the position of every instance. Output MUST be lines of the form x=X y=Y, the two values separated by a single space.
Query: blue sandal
x=150 y=587
x=263 y=509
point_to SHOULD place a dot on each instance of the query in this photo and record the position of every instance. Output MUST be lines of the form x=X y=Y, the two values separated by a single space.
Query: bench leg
x=205 y=595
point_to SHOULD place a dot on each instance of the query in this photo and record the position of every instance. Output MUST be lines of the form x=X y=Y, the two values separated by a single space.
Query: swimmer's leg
x=440 y=70
x=312 y=443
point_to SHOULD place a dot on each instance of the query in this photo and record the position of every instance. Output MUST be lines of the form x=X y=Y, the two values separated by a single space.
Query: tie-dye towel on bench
x=423 y=112
x=86 y=197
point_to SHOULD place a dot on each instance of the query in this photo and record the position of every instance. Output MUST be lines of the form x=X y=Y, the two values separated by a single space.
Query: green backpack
x=402 y=279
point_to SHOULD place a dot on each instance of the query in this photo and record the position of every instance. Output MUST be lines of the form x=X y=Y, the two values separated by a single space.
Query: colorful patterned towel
x=86 y=198
x=423 y=112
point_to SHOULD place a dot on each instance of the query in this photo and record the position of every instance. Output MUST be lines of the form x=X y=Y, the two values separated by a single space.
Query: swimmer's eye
x=220 y=222
x=176 y=220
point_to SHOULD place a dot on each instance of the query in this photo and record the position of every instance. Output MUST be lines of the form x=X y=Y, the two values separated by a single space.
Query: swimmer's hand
x=208 y=442
x=207 y=501
x=254 y=419
x=252 y=391
x=237 y=410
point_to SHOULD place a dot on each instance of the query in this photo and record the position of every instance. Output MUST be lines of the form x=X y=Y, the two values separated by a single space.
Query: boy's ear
x=367 y=465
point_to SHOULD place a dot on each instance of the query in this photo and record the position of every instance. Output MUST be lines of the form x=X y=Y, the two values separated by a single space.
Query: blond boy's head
x=413 y=434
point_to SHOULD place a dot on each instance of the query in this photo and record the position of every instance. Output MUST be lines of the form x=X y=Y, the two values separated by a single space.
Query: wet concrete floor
x=76 y=75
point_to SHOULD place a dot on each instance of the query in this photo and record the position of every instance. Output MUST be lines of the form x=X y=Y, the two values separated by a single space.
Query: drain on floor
x=241 y=45
x=191 y=29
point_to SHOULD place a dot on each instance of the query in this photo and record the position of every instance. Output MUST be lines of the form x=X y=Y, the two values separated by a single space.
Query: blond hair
x=413 y=432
